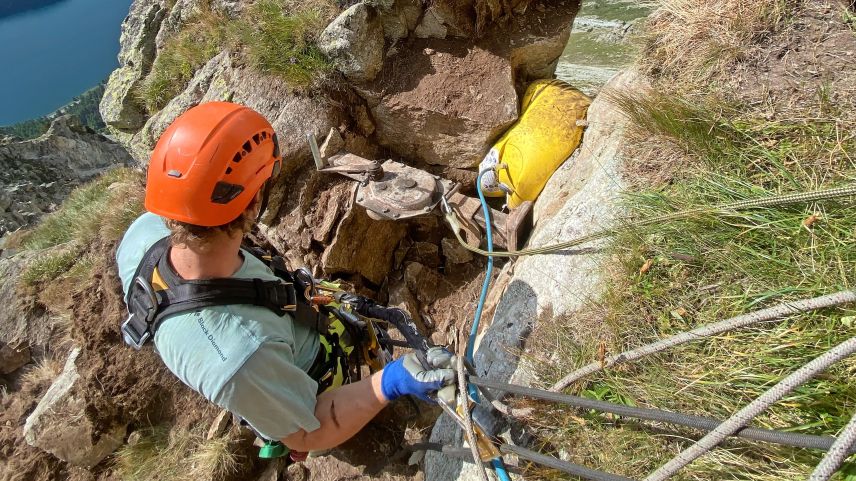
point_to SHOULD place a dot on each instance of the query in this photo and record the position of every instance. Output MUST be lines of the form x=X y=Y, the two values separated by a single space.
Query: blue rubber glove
x=406 y=375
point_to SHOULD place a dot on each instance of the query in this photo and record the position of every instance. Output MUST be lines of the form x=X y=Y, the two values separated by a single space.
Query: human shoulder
x=140 y=236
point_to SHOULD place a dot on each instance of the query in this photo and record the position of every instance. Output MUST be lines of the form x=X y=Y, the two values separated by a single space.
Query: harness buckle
x=131 y=336
x=142 y=309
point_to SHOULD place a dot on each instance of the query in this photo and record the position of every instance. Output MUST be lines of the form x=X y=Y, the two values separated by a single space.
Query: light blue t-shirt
x=244 y=358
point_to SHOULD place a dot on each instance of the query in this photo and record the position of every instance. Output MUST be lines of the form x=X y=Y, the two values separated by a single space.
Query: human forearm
x=342 y=412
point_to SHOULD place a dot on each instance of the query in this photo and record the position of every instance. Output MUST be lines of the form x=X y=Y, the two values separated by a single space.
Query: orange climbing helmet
x=210 y=163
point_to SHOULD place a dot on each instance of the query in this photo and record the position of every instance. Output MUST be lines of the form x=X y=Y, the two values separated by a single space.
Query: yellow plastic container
x=539 y=142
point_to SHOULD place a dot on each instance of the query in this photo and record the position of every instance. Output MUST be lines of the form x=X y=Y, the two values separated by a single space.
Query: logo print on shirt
x=210 y=336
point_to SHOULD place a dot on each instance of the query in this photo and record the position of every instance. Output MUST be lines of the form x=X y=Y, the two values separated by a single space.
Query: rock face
x=580 y=198
x=119 y=108
x=60 y=425
x=445 y=95
x=446 y=103
x=36 y=175
x=363 y=246
x=292 y=115
x=13 y=358
x=23 y=324
x=354 y=41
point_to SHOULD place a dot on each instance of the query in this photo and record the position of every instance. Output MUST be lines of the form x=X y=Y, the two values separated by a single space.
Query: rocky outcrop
x=61 y=426
x=119 y=106
x=363 y=245
x=354 y=42
x=445 y=95
x=292 y=115
x=23 y=323
x=445 y=103
x=581 y=197
x=13 y=358
x=36 y=175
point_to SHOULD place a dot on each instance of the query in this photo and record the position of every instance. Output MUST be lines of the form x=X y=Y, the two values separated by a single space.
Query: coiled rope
x=629 y=224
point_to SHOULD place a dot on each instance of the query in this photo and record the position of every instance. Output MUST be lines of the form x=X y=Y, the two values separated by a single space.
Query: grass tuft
x=98 y=211
x=103 y=209
x=277 y=36
x=198 y=41
x=44 y=371
x=177 y=455
x=696 y=40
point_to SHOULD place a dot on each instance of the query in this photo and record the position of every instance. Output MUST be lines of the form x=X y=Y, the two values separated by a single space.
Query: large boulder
x=443 y=103
x=61 y=426
x=580 y=198
x=36 y=175
x=355 y=41
x=534 y=42
x=119 y=107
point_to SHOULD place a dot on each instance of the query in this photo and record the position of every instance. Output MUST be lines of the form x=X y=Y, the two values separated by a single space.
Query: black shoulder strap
x=148 y=307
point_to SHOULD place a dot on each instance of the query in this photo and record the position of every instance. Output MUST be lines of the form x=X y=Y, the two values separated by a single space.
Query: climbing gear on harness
x=210 y=163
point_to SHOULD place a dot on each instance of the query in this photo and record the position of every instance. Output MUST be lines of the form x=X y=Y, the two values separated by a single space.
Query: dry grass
x=696 y=142
x=99 y=211
x=176 y=455
x=276 y=37
x=694 y=41
x=44 y=371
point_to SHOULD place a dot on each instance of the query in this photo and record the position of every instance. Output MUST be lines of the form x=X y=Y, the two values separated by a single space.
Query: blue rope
x=471 y=341
x=498 y=465
x=499 y=468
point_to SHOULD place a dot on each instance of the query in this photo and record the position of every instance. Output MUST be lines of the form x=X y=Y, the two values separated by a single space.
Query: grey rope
x=702 y=423
x=768 y=314
x=742 y=417
x=841 y=448
x=629 y=224
x=464 y=409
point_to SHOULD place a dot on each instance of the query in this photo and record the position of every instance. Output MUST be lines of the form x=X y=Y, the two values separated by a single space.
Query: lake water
x=51 y=54
x=601 y=42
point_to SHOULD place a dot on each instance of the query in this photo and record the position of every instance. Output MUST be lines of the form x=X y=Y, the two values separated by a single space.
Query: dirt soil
x=810 y=62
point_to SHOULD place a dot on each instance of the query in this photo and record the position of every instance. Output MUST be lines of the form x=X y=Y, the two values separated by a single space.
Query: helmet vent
x=225 y=192
x=228 y=170
x=237 y=158
x=248 y=147
x=257 y=139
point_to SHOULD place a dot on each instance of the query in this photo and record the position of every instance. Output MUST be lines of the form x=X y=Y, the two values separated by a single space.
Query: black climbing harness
x=349 y=325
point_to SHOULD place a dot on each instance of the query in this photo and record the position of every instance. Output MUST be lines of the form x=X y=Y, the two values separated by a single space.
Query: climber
x=208 y=182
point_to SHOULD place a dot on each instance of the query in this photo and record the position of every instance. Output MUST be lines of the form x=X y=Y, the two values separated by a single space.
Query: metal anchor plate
x=403 y=192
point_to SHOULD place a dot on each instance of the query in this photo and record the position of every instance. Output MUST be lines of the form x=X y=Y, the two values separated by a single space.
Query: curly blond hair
x=198 y=237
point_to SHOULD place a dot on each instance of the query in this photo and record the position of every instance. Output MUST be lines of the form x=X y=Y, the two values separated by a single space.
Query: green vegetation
x=694 y=143
x=99 y=211
x=284 y=43
x=84 y=107
x=197 y=42
x=277 y=37
x=178 y=455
